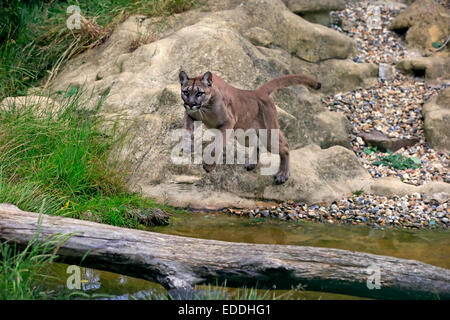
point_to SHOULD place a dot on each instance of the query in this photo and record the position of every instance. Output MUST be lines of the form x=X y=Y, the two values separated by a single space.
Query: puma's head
x=195 y=92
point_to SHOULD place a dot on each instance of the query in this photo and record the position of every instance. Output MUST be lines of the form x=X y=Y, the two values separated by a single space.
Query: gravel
x=393 y=108
x=412 y=211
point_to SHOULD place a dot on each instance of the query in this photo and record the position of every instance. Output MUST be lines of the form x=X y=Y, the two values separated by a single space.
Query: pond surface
x=429 y=246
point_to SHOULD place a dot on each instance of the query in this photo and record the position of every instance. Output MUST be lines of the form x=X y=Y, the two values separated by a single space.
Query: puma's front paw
x=209 y=167
x=281 y=177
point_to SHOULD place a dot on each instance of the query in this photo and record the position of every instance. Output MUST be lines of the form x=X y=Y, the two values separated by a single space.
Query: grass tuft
x=60 y=158
x=398 y=161
x=23 y=270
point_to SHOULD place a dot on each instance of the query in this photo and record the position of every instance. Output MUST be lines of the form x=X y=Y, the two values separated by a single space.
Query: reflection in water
x=90 y=279
x=106 y=284
x=428 y=246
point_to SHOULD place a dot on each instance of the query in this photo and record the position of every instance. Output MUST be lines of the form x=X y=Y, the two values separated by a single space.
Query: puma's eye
x=199 y=94
x=186 y=93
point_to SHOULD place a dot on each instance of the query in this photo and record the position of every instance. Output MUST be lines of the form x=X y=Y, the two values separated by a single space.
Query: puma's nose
x=190 y=106
x=190 y=103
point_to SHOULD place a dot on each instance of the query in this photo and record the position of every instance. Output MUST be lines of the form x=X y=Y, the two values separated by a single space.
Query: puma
x=209 y=99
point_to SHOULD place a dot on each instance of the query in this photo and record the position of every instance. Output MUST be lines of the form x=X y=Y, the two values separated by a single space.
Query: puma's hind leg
x=283 y=172
x=270 y=117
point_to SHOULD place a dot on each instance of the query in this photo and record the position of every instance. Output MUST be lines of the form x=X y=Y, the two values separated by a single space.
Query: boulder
x=435 y=69
x=307 y=41
x=315 y=11
x=425 y=22
x=247 y=45
x=300 y=6
x=436 y=113
x=389 y=186
x=384 y=143
x=317 y=175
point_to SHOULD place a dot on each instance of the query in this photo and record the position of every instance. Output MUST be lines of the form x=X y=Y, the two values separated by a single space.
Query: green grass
x=398 y=161
x=21 y=271
x=59 y=161
x=24 y=271
x=35 y=41
x=370 y=150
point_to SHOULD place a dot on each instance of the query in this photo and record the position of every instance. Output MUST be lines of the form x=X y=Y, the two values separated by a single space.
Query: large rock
x=339 y=75
x=317 y=175
x=435 y=69
x=384 y=143
x=425 y=22
x=316 y=11
x=389 y=186
x=247 y=46
x=436 y=113
x=307 y=41
x=300 y=6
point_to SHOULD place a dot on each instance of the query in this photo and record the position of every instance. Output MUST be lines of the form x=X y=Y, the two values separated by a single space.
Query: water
x=429 y=246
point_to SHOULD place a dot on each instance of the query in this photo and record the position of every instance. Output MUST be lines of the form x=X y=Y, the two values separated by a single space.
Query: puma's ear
x=207 y=79
x=183 y=77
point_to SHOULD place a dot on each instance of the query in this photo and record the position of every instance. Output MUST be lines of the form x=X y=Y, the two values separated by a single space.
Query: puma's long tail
x=289 y=80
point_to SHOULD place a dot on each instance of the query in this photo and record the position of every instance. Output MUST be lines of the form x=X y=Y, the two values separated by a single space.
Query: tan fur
x=221 y=106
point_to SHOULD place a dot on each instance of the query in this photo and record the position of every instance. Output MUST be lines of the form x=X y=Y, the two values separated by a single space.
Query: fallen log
x=179 y=263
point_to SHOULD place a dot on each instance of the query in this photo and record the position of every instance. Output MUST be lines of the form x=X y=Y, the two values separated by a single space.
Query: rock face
x=247 y=45
x=425 y=22
x=40 y=104
x=436 y=113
